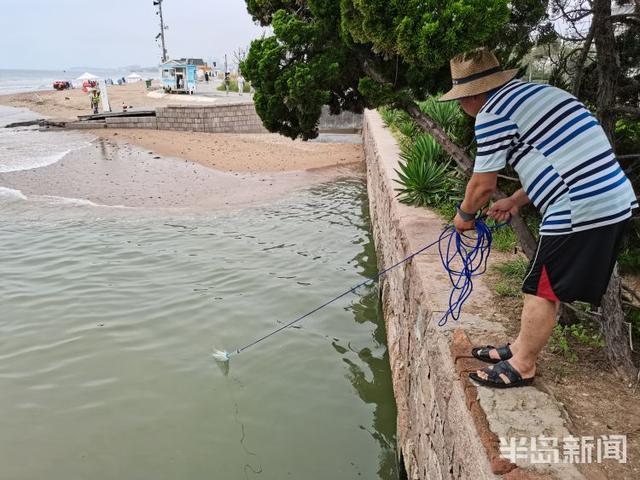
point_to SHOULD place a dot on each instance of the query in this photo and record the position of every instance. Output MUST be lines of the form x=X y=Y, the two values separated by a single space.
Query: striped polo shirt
x=560 y=152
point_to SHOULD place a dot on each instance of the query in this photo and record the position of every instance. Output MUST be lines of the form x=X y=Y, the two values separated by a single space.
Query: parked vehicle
x=62 y=85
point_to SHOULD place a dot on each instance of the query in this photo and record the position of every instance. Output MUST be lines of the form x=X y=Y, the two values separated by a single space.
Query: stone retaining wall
x=435 y=429
x=132 y=122
x=230 y=118
x=234 y=118
x=446 y=424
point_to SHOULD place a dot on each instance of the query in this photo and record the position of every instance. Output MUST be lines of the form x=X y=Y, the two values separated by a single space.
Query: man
x=240 y=84
x=568 y=171
x=95 y=100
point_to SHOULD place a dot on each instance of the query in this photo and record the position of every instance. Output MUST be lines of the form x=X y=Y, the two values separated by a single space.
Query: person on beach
x=95 y=100
x=568 y=171
x=240 y=84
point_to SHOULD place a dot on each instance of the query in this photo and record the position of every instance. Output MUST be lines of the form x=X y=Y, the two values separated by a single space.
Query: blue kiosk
x=178 y=77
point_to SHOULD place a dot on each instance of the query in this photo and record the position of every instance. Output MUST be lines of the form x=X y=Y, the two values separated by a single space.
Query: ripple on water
x=110 y=318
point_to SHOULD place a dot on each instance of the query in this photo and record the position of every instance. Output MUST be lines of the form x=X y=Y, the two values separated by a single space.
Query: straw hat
x=475 y=72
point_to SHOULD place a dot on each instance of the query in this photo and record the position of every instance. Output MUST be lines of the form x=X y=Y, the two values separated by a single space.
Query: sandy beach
x=239 y=152
x=153 y=168
x=68 y=104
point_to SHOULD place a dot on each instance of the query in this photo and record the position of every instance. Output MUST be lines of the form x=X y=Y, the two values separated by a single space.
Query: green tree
x=352 y=54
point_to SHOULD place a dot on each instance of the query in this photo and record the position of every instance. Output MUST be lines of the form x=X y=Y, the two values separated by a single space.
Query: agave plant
x=426 y=175
x=446 y=114
x=390 y=116
x=408 y=128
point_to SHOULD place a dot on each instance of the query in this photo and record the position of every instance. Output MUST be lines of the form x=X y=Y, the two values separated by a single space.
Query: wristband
x=467 y=217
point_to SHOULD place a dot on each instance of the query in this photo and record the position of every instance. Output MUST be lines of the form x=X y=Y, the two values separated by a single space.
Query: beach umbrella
x=87 y=76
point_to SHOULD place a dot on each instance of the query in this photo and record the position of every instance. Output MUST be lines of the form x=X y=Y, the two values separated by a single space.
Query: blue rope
x=465 y=257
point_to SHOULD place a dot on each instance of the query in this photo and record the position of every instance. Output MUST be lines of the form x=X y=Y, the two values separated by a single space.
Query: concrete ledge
x=447 y=428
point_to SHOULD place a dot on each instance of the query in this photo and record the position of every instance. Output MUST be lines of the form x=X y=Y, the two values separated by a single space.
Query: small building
x=199 y=63
x=179 y=76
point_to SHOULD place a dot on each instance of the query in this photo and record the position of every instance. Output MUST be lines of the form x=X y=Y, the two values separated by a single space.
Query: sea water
x=109 y=318
x=17 y=81
x=24 y=148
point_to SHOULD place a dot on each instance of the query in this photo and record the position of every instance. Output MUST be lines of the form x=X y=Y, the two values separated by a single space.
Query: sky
x=62 y=34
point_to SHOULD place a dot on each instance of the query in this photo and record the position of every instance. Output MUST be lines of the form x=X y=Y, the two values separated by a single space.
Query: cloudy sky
x=60 y=34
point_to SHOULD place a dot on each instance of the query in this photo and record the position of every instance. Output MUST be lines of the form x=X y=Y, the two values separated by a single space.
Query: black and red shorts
x=576 y=266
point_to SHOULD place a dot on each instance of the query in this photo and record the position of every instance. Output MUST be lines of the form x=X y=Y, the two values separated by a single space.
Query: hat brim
x=478 y=86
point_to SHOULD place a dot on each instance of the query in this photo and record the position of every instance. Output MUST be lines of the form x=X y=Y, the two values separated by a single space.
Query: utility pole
x=158 y=3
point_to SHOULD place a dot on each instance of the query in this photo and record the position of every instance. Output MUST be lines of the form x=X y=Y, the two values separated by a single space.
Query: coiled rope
x=464 y=258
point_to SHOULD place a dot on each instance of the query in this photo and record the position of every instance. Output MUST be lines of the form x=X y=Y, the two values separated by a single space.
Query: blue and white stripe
x=560 y=152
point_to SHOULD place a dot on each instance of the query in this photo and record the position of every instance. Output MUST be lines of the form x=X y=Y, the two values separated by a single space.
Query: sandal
x=496 y=380
x=482 y=353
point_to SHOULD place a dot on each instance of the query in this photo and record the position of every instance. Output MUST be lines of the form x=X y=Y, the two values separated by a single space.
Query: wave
x=33 y=162
x=27 y=148
x=11 y=194
x=78 y=202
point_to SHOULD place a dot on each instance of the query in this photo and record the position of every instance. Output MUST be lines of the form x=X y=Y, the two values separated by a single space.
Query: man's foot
x=501 y=375
x=491 y=354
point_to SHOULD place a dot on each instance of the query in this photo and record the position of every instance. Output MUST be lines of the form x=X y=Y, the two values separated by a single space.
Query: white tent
x=87 y=76
x=134 y=77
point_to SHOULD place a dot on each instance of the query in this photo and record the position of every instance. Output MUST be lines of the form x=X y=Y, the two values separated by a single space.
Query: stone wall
x=117 y=122
x=132 y=122
x=233 y=118
x=229 y=118
x=447 y=427
x=435 y=430
x=345 y=122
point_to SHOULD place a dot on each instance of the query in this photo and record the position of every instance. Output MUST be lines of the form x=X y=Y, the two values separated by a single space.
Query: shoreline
x=66 y=105
x=238 y=152
x=185 y=171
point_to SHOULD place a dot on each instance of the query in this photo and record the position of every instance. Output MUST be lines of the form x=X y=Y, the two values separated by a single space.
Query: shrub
x=408 y=128
x=390 y=116
x=448 y=115
x=426 y=175
x=233 y=86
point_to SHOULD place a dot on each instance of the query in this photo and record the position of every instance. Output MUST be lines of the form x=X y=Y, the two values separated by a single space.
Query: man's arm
x=479 y=191
x=520 y=198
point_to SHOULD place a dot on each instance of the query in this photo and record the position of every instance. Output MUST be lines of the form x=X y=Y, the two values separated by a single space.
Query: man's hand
x=503 y=210
x=461 y=225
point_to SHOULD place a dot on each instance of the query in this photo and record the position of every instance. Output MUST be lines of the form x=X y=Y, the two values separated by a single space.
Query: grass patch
x=511 y=276
x=504 y=240
x=507 y=289
x=447 y=210
x=514 y=269
x=559 y=344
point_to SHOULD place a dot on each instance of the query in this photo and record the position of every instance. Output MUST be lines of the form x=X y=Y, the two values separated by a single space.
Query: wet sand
x=120 y=174
x=239 y=152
